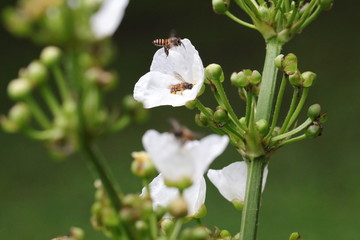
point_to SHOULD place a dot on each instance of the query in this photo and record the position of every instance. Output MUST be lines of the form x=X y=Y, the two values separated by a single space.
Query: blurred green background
x=313 y=186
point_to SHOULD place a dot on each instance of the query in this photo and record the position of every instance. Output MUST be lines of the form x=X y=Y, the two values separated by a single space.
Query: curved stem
x=268 y=83
x=294 y=131
x=50 y=99
x=300 y=105
x=235 y=19
x=295 y=139
x=291 y=110
x=176 y=230
x=250 y=212
x=38 y=113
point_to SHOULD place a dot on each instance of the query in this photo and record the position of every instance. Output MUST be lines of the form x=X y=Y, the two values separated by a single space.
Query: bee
x=168 y=43
x=180 y=87
x=181 y=132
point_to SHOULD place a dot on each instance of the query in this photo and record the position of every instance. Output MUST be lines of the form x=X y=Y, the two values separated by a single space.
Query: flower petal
x=153 y=89
x=162 y=195
x=231 y=180
x=107 y=19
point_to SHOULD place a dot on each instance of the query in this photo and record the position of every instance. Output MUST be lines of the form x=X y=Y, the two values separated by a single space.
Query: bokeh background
x=313 y=186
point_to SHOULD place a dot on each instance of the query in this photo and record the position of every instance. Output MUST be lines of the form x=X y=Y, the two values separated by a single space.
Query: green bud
x=141 y=226
x=323 y=118
x=314 y=111
x=126 y=215
x=243 y=121
x=19 y=88
x=308 y=79
x=220 y=6
x=255 y=78
x=225 y=233
x=131 y=199
x=278 y=61
x=20 y=115
x=220 y=116
x=37 y=73
x=263 y=126
x=290 y=64
x=199 y=233
x=326 y=4
x=204 y=120
x=77 y=233
x=296 y=79
x=238 y=204
x=198 y=121
x=191 y=104
x=202 y=90
x=167 y=225
x=142 y=166
x=110 y=217
x=16 y=23
x=295 y=236
x=201 y=212
x=50 y=55
x=214 y=72
x=285 y=35
x=313 y=131
x=239 y=80
x=178 y=208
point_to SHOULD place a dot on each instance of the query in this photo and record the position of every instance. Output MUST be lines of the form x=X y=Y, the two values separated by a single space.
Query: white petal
x=162 y=195
x=107 y=19
x=153 y=89
x=231 y=180
x=169 y=155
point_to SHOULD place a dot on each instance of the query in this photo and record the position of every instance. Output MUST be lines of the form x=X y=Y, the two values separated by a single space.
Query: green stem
x=267 y=89
x=291 y=110
x=235 y=19
x=121 y=123
x=61 y=83
x=278 y=105
x=176 y=230
x=250 y=212
x=38 y=113
x=50 y=99
x=249 y=100
x=295 y=139
x=300 y=105
x=294 y=131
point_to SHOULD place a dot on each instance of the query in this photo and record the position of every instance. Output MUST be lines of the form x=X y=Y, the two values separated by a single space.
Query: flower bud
x=314 y=111
x=239 y=80
x=296 y=79
x=295 y=236
x=278 y=61
x=220 y=6
x=198 y=121
x=178 y=208
x=214 y=72
x=77 y=233
x=201 y=212
x=263 y=126
x=141 y=226
x=19 y=88
x=199 y=233
x=20 y=115
x=220 y=116
x=191 y=104
x=109 y=217
x=50 y=55
x=37 y=73
x=289 y=64
x=142 y=166
x=313 y=131
x=225 y=233
x=326 y=4
x=323 y=118
x=167 y=225
x=255 y=78
x=308 y=79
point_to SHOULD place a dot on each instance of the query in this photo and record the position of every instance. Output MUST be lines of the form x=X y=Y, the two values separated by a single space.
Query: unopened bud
x=295 y=236
x=225 y=234
x=142 y=166
x=308 y=79
x=296 y=79
x=326 y=4
x=214 y=72
x=37 y=73
x=220 y=116
x=238 y=204
x=290 y=64
x=314 y=111
x=201 y=212
x=167 y=225
x=141 y=226
x=199 y=233
x=263 y=126
x=178 y=208
x=191 y=104
x=255 y=78
x=313 y=131
x=278 y=61
x=220 y=6
x=20 y=115
x=19 y=88
x=239 y=80
x=198 y=121
x=50 y=55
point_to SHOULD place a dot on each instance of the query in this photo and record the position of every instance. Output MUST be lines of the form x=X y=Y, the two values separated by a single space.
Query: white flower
x=107 y=19
x=231 y=181
x=162 y=195
x=168 y=73
x=177 y=159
